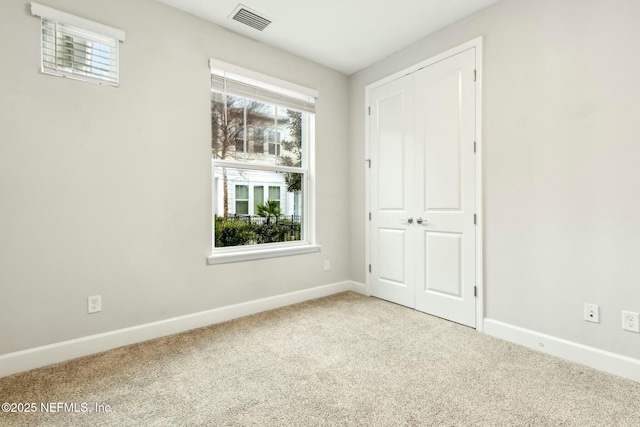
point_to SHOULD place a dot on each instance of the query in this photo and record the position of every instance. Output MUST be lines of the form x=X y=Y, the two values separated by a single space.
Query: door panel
x=390 y=152
x=443 y=253
x=442 y=140
x=391 y=248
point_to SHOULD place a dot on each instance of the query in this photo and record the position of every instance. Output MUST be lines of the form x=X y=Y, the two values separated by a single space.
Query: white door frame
x=477 y=44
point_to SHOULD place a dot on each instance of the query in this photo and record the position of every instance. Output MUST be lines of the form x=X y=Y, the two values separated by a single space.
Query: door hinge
x=474 y=146
x=369 y=216
x=475 y=219
x=369 y=162
x=475 y=291
x=369 y=268
x=369 y=108
x=475 y=75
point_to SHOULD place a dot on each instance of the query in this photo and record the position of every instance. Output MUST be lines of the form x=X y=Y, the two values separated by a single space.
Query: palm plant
x=268 y=210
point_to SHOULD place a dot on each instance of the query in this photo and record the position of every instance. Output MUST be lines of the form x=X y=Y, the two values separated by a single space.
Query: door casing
x=479 y=273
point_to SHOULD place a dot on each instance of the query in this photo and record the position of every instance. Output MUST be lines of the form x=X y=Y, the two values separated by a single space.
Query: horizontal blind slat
x=80 y=47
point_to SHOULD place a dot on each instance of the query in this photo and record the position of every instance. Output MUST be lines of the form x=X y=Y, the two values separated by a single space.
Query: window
x=78 y=48
x=274 y=195
x=274 y=143
x=258 y=197
x=240 y=139
x=276 y=115
x=258 y=140
x=242 y=200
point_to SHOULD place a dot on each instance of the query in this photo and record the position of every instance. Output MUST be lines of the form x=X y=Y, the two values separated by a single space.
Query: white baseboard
x=24 y=360
x=359 y=288
x=592 y=357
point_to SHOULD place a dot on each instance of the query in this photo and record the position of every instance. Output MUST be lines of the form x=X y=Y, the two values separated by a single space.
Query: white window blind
x=78 y=48
x=226 y=82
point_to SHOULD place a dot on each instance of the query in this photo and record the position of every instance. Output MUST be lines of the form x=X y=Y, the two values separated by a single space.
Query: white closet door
x=392 y=186
x=422 y=189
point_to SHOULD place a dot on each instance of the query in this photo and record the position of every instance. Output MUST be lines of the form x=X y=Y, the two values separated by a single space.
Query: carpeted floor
x=344 y=360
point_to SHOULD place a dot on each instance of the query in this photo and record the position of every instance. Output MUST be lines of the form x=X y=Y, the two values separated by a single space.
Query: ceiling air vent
x=249 y=17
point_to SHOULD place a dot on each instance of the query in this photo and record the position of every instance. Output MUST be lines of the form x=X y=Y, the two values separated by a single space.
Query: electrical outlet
x=631 y=321
x=94 y=304
x=591 y=313
x=327 y=265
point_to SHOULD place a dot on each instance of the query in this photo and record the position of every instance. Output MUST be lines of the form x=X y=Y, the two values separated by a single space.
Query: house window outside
x=242 y=200
x=258 y=197
x=285 y=124
x=274 y=143
x=274 y=194
x=240 y=140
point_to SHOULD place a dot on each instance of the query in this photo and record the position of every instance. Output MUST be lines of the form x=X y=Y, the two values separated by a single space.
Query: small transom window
x=77 y=48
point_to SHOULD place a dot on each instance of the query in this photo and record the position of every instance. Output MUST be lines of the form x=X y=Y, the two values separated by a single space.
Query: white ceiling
x=346 y=35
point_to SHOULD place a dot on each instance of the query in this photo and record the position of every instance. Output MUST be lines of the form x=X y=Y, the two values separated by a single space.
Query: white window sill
x=237 y=256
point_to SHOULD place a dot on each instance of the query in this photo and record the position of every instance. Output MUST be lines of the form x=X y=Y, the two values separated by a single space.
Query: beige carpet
x=345 y=360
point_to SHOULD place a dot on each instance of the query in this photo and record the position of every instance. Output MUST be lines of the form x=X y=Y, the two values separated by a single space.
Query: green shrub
x=233 y=232
x=291 y=230
x=283 y=231
x=270 y=233
x=236 y=232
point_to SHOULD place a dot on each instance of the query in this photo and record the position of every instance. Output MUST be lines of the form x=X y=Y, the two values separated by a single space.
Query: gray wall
x=561 y=129
x=107 y=191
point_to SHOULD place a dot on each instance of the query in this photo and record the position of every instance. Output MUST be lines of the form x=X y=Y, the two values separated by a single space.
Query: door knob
x=409 y=220
x=420 y=220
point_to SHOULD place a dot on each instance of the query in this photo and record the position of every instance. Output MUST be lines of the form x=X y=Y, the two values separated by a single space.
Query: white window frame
x=270 y=250
x=65 y=24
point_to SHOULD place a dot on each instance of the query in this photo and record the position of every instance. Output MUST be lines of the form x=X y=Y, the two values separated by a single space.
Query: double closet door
x=422 y=189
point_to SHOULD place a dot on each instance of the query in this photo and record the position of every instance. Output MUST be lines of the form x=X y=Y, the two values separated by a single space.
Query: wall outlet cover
x=631 y=321
x=94 y=304
x=591 y=313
